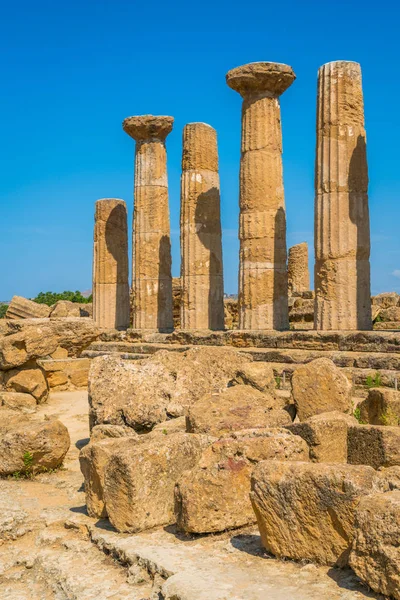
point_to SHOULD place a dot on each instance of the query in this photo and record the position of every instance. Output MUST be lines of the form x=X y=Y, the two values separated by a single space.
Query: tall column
x=263 y=293
x=151 y=245
x=110 y=265
x=342 y=238
x=298 y=273
x=202 y=304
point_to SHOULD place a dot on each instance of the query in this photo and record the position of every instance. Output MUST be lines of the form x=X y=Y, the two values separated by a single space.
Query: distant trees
x=3 y=310
x=51 y=298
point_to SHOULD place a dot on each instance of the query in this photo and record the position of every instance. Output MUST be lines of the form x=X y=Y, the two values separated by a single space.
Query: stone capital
x=148 y=127
x=260 y=79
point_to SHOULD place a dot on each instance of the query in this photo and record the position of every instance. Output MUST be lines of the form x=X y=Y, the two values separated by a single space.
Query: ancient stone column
x=263 y=293
x=298 y=273
x=110 y=265
x=342 y=237
x=151 y=245
x=202 y=304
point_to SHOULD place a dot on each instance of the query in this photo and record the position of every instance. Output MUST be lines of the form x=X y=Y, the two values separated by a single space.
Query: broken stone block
x=381 y=407
x=22 y=308
x=259 y=375
x=214 y=495
x=375 y=554
x=374 y=445
x=306 y=510
x=238 y=407
x=320 y=386
x=28 y=381
x=326 y=436
x=139 y=479
x=18 y=401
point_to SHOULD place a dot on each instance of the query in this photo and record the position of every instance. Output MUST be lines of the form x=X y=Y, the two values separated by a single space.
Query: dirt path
x=51 y=550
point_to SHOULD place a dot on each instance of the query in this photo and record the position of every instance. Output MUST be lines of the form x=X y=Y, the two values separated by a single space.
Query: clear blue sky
x=71 y=71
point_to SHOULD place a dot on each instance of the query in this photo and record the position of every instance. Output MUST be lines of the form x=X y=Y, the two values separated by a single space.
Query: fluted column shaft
x=110 y=265
x=151 y=245
x=263 y=294
x=342 y=234
x=202 y=305
x=298 y=273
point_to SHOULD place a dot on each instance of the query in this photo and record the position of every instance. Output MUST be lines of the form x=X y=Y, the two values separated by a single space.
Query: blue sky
x=71 y=72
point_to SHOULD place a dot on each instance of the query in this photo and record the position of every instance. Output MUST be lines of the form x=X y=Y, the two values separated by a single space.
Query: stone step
x=124 y=355
x=231 y=566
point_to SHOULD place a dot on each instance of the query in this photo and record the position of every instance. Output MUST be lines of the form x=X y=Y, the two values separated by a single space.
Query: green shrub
x=51 y=298
x=3 y=310
x=372 y=382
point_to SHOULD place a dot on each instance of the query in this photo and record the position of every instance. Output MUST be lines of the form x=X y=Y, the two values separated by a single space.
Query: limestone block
x=151 y=245
x=111 y=305
x=28 y=381
x=326 y=436
x=214 y=495
x=319 y=386
x=22 y=308
x=386 y=299
x=374 y=445
x=202 y=304
x=65 y=308
x=238 y=407
x=375 y=555
x=46 y=441
x=66 y=374
x=263 y=301
x=259 y=375
x=342 y=236
x=139 y=481
x=381 y=407
x=307 y=510
x=25 y=403
x=298 y=273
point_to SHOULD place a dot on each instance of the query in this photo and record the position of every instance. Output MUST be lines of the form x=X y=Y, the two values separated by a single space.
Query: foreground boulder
x=326 y=436
x=235 y=408
x=381 y=407
x=139 y=480
x=28 y=446
x=143 y=393
x=320 y=386
x=18 y=401
x=259 y=375
x=28 y=381
x=306 y=510
x=374 y=445
x=375 y=555
x=22 y=308
x=214 y=495
x=104 y=432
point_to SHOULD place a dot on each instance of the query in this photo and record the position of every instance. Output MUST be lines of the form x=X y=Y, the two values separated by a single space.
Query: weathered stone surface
x=66 y=374
x=319 y=386
x=214 y=496
x=202 y=304
x=231 y=313
x=65 y=308
x=151 y=252
x=22 y=308
x=111 y=302
x=103 y=432
x=176 y=301
x=374 y=445
x=28 y=381
x=93 y=460
x=47 y=443
x=177 y=425
x=386 y=299
x=263 y=300
x=18 y=401
x=391 y=314
x=326 y=436
x=389 y=478
x=298 y=273
x=259 y=375
x=375 y=555
x=148 y=392
x=238 y=407
x=306 y=510
x=342 y=236
x=381 y=407
x=30 y=343
x=139 y=482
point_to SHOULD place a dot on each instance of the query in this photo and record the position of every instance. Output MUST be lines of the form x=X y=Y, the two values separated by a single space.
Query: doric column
x=110 y=265
x=342 y=238
x=298 y=273
x=263 y=293
x=151 y=244
x=202 y=304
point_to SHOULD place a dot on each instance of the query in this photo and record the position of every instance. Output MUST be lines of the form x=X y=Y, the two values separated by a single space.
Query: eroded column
x=263 y=293
x=202 y=304
x=298 y=273
x=110 y=265
x=151 y=245
x=342 y=236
